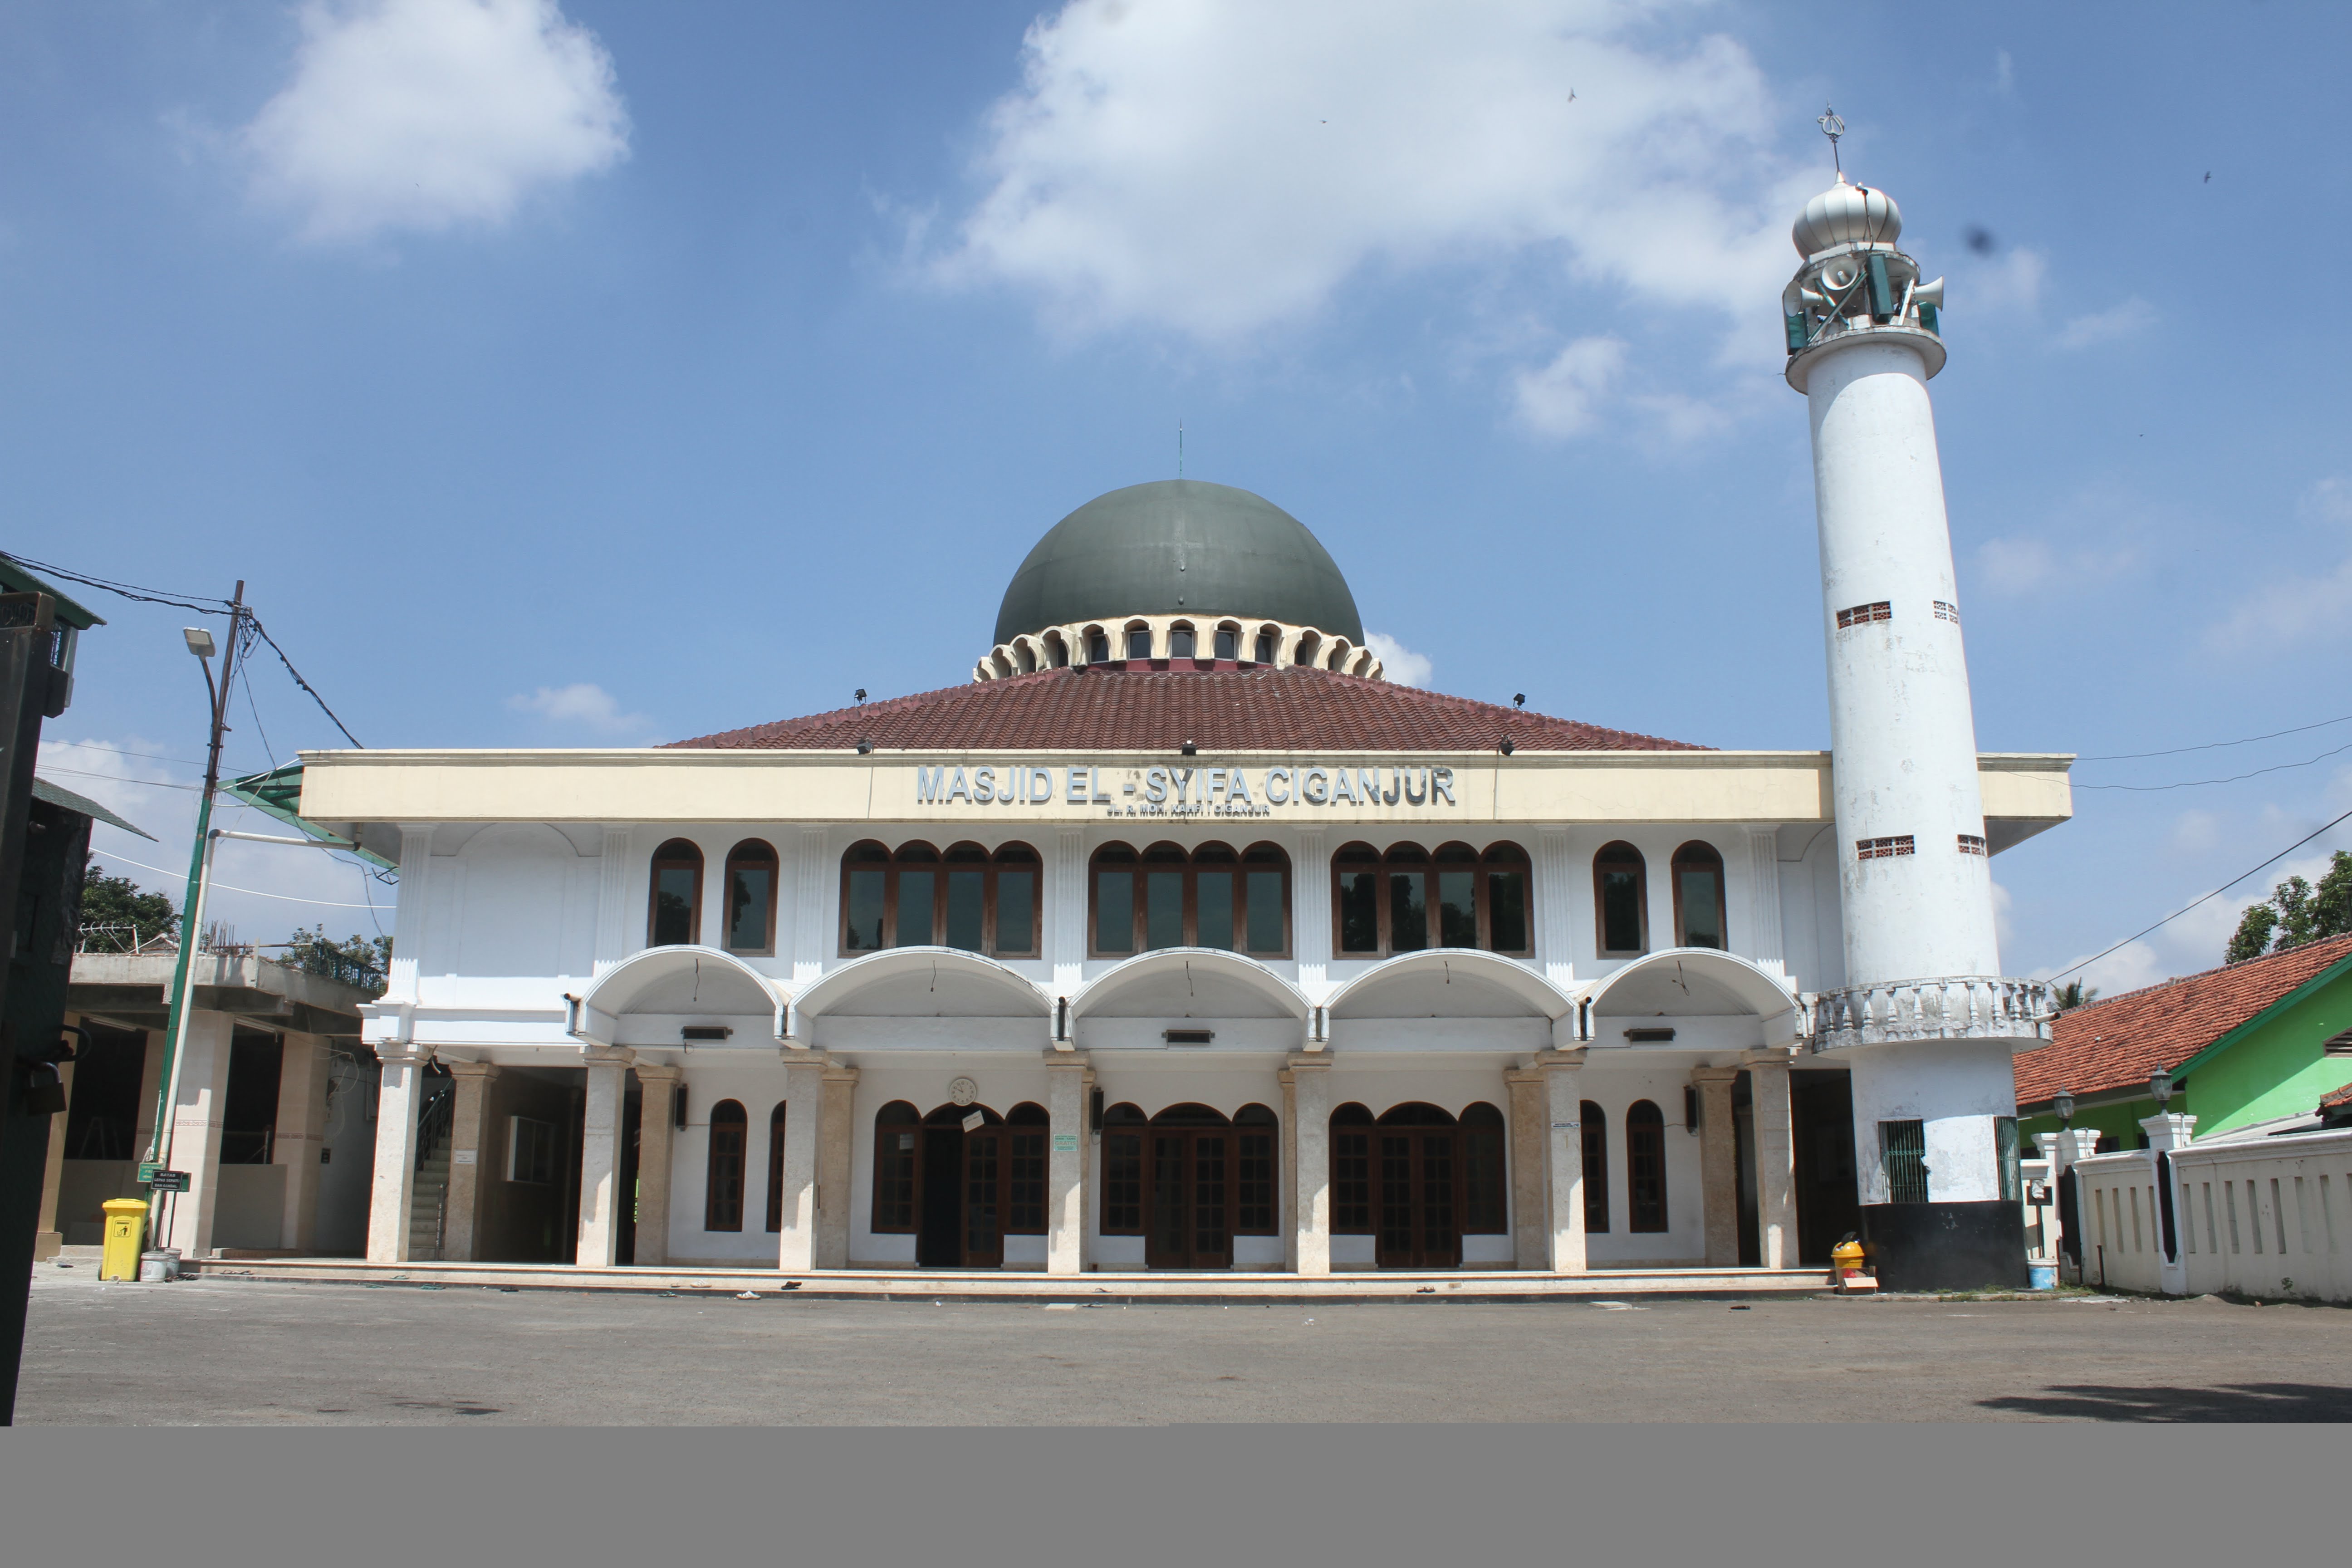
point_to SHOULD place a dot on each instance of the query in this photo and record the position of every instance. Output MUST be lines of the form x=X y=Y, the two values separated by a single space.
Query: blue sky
x=622 y=372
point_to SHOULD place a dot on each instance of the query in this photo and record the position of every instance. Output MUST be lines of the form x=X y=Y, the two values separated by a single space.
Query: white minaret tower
x=1924 y=1023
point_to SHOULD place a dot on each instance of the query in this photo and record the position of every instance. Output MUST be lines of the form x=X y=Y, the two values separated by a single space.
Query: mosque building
x=1178 y=938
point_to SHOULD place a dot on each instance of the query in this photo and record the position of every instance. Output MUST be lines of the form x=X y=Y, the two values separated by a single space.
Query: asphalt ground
x=215 y=1351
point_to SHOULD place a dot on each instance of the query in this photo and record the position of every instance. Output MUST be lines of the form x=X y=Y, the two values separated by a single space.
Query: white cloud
x=419 y=114
x=2327 y=500
x=2128 y=968
x=1564 y=397
x=2015 y=565
x=2013 y=283
x=2195 y=832
x=1216 y=167
x=2300 y=609
x=2127 y=319
x=582 y=706
x=1400 y=663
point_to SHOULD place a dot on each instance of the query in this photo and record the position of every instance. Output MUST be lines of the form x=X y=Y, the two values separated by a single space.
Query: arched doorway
x=1190 y=1180
x=963 y=1180
x=1417 y=1179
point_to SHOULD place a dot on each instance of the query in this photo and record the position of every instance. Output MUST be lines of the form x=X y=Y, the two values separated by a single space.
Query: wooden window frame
x=776 y=1120
x=1602 y=863
x=1682 y=856
x=712 y=1212
x=1240 y=868
x=1371 y=1126
x=1595 y=1127
x=1477 y=1130
x=1233 y=1127
x=1638 y=1209
x=993 y=863
x=913 y=1125
x=774 y=864
x=1482 y=865
x=664 y=860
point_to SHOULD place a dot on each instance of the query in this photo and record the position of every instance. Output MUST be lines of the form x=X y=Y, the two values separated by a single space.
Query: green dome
x=1178 y=545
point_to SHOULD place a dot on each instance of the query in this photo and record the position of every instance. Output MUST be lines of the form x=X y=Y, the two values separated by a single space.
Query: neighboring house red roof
x=1224 y=709
x=2119 y=1040
x=2336 y=1103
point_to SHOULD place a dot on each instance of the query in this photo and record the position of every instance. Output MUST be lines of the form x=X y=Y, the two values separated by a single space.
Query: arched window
x=1180 y=641
x=752 y=899
x=1025 y=1170
x=1406 y=900
x=1209 y=896
x=1058 y=652
x=1698 y=896
x=1228 y=643
x=1309 y=645
x=1269 y=644
x=1257 y=1171
x=1123 y=1197
x=897 y=1167
x=917 y=897
x=1351 y=1171
x=776 y=1168
x=1621 y=902
x=674 y=917
x=1485 y=1200
x=1138 y=641
x=723 y=1200
x=1595 y=1122
x=1098 y=646
x=1645 y=1167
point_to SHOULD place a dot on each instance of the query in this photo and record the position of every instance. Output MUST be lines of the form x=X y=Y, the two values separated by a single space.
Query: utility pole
x=176 y=1028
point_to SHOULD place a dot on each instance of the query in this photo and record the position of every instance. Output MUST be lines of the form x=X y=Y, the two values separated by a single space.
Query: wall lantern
x=2062 y=1102
x=2159 y=1084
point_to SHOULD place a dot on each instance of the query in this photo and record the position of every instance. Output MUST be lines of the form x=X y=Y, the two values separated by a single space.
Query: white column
x=1310 y=914
x=1310 y=1170
x=1764 y=896
x=1066 y=912
x=837 y=1139
x=1774 y=1119
x=470 y=1146
x=613 y=942
x=1067 y=1078
x=301 y=1133
x=600 y=1156
x=1564 y=1153
x=395 y=1188
x=1530 y=1243
x=197 y=1130
x=656 y=1144
x=803 y=1127
x=410 y=917
x=1555 y=893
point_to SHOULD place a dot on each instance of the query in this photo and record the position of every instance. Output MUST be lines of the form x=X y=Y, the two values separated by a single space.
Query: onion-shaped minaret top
x=1846 y=214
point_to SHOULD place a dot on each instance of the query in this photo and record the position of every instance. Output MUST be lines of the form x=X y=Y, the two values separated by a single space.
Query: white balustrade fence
x=2270 y=1216
x=1970 y=1007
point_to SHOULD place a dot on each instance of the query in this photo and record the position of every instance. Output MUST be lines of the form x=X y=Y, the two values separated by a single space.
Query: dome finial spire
x=1832 y=127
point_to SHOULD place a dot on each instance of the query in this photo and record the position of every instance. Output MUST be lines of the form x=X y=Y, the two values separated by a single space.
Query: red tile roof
x=2336 y=1102
x=1223 y=710
x=2119 y=1040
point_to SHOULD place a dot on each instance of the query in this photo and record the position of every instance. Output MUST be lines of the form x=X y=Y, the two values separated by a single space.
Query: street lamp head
x=2159 y=1084
x=2062 y=1102
x=200 y=641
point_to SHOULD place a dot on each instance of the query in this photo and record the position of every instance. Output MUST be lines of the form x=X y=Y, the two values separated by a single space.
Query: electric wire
x=124 y=751
x=144 y=595
x=2233 y=778
x=2206 y=899
x=2215 y=745
x=226 y=887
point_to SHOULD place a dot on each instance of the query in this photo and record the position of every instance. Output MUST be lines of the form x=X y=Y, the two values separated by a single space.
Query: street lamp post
x=175 y=1027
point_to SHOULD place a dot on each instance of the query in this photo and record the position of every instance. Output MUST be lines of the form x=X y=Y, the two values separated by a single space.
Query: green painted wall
x=2120 y=1120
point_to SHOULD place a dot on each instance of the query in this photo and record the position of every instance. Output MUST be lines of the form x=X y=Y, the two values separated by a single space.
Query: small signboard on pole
x=169 y=1181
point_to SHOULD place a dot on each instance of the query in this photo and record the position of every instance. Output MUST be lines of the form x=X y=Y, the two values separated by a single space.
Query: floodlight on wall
x=1519 y=699
x=865 y=748
x=200 y=641
x=703 y=1033
x=1187 y=1037
x=2159 y=1084
x=2062 y=1102
x=1189 y=749
x=1507 y=748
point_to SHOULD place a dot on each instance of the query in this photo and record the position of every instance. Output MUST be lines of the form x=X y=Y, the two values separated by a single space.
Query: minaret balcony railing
x=1959 y=1007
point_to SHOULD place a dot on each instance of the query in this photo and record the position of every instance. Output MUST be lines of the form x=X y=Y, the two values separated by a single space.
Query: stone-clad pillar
x=1310 y=1166
x=301 y=1133
x=837 y=1137
x=395 y=1188
x=196 y=1130
x=1068 y=1076
x=1529 y=1244
x=471 y=1146
x=803 y=1127
x=657 y=1141
x=1564 y=1158
x=1719 y=1152
x=1775 y=1123
x=600 y=1122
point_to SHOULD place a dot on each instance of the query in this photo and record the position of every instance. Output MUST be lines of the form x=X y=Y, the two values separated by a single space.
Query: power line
x=2216 y=745
x=2208 y=897
x=255 y=623
x=2233 y=778
x=122 y=752
x=144 y=595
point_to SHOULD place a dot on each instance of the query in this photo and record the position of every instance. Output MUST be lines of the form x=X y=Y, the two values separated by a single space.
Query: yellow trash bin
x=126 y=1231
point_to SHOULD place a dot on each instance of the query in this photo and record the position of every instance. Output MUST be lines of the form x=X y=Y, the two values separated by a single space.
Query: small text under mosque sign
x=1184 y=791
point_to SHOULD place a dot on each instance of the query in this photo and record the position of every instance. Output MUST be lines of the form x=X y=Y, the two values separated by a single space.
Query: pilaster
x=657 y=1154
x=301 y=1133
x=1310 y=914
x=1718 y=1146
x=1310 y=1168
x=468 y=1148
x=1774 y=1121
x=1554 y=890
x=1764 y=943
x=1524 y=1090
x=394 y=1190
x=1564 y=1157
x=196 y=1131
x=803 y=1126
x=411 y=915
x=599 y=1156
x=811 y=867
x=837 y=1137
x=1066 y=912
x=611 y=900
x=1068 y=1076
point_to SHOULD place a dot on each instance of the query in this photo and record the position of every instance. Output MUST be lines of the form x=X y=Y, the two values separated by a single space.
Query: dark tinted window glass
x=1486 y=1207
x=1596 y=1168
x=1702 y=919
x=1122 y=1211
x=1212 y=892
x=1115 y=911
x=1645 y=1168
x=1360 y=917
x=1139 y=645
x=673 y=906
x=1620 y=910
x=1228 y=643
x=1457 y=908
x=747 y=907
x=864 y=912
x=1408 y=912
x=1016 y=912
x=967 y=896
x=1351 y=1179
x=1180 y=643
x=1507 y=909
x=1163 y=912
x=914 y=908
x=1265 y=934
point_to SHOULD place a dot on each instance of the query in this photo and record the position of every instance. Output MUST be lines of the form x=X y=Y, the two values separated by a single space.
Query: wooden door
x=984 y=1198
x=1417 y=1197
x=1187 y=1197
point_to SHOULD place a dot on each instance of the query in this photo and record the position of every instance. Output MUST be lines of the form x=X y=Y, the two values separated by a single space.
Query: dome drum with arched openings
x=1179 y=549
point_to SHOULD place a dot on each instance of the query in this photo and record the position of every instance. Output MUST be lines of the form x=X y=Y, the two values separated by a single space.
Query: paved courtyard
x=219 y=1351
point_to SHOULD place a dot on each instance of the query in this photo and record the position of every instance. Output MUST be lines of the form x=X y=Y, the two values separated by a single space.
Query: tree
x=2296 y=913
x=2074 y=994
x=130 y=917
x=354 y=960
